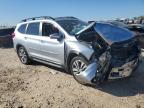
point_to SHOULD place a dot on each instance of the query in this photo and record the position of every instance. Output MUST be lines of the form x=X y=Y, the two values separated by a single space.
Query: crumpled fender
x=88 y=75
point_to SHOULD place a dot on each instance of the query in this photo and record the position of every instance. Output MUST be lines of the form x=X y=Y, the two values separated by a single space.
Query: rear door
x=32 y=38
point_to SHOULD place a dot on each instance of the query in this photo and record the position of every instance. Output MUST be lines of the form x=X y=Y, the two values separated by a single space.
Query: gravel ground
x=41 y=86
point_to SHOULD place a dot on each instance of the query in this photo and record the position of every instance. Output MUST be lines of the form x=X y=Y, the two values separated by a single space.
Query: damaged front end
x=125 y=58
x=95 y=72
x=116 y=53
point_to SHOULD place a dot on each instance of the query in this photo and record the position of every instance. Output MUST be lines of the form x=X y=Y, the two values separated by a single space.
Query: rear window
x=33 y=28
x=22 y=28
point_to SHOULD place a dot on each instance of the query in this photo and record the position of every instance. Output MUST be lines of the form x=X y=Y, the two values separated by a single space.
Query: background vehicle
x=6 y=37
x=137 y=28
x=91 y=52
x=117 y=23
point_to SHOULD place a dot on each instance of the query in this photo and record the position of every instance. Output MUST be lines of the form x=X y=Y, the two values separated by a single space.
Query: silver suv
x=91 y=52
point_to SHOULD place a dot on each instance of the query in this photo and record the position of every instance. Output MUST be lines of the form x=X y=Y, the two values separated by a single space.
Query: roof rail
x=41 y=17
x=65 y=17
x=71 y=17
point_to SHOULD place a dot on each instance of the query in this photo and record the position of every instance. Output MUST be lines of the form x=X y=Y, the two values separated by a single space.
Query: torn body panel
x=97 y=70
x=123 y=71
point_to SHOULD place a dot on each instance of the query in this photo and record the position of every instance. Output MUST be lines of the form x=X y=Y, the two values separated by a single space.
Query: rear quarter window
x=22 y=28
x=33 y=28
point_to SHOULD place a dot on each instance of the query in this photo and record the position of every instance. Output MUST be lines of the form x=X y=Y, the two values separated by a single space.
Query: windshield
x=72 y=26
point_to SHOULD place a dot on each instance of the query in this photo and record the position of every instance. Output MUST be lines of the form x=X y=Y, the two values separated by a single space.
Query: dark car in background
x=6 y=37
x=118 y=23
x=137 y=28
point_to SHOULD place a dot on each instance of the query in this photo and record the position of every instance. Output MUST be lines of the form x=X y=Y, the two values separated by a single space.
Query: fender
x=70 y=55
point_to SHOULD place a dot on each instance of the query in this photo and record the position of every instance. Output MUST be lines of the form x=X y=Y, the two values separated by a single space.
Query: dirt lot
x=40 y=86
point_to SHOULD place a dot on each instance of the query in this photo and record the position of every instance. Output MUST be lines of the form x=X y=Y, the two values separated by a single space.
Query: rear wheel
x=23 y=56
x=78 y=65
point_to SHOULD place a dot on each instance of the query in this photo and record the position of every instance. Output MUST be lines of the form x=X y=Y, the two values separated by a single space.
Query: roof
x=50 y=18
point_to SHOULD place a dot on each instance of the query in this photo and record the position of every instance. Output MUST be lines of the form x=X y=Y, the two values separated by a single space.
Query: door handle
x=42 y=41
x=25 y=37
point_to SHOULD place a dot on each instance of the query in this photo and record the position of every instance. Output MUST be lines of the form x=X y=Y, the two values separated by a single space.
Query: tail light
x=13 y=35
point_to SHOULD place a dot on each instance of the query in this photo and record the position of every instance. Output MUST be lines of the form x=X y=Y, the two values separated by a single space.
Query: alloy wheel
x=22 y=55
x=78 y=66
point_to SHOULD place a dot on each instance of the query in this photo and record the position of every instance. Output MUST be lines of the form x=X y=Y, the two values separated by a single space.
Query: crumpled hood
x=108 y=32
x=112 y=34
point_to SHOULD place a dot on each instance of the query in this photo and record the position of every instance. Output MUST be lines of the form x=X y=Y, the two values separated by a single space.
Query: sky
x=13 y=11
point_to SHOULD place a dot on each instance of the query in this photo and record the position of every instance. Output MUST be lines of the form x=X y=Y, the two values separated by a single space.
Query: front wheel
x=78 y=64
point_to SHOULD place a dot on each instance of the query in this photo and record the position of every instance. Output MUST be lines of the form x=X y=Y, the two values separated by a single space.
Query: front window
x=72 y=26
x=48 y=29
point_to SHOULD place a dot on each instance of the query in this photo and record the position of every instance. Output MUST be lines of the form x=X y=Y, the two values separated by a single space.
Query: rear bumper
x=123 y=71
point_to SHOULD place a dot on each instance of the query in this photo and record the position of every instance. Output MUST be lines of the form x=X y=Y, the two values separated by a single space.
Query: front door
x=52 y=48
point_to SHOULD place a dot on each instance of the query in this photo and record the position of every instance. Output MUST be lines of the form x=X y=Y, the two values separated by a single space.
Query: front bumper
x=92 y=76
x=123 y=71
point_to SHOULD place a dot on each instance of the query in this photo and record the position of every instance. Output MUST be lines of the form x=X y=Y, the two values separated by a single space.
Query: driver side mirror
x=55 y=36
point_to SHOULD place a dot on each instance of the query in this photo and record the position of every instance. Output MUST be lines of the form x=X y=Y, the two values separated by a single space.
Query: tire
x=78 y=61
x=23 y=56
